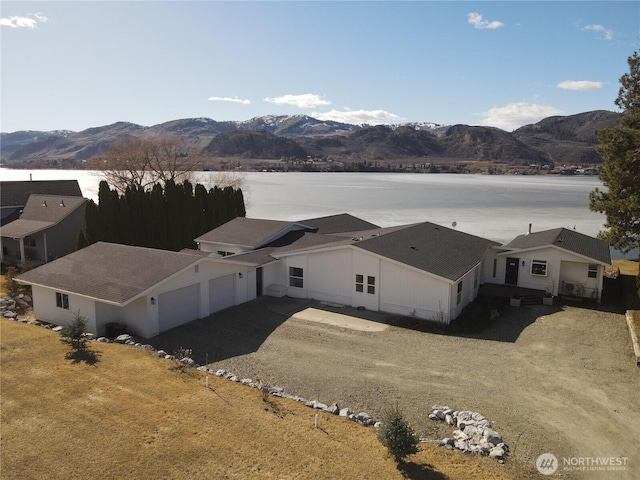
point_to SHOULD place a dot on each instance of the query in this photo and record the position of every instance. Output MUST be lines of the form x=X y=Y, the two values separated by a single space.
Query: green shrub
x=397 y=435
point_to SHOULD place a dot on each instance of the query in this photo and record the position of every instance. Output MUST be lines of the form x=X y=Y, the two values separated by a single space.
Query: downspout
x=22 y=259
x=46 y=256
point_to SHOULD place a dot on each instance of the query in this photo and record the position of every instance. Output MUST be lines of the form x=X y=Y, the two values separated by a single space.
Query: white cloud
x=31 y=21
x=583 y=85
x=357 y=117
x=515 y=115
x=306 y=100
x=229 y=99
x=608 y=33
x=476 y=20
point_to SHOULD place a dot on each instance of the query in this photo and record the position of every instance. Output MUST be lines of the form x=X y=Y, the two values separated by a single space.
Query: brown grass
x=127 y=414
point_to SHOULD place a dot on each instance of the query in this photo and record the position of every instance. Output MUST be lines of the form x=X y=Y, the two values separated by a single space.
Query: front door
x=511 y=273
x=259 y=282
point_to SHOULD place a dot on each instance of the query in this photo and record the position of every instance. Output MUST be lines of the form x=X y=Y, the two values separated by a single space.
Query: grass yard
x=132 y=415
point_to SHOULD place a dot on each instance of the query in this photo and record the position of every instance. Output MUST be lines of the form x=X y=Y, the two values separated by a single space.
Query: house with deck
x=422 y=270
x=47 y=229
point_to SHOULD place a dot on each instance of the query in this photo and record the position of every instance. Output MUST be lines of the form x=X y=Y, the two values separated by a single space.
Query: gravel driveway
x=550 y=379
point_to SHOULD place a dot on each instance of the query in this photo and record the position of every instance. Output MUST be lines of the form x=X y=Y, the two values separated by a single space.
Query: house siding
x=46 y=310
x=405 y=291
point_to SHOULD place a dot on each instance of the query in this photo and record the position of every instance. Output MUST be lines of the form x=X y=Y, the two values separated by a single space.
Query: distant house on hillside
x=47 y=229
x=423 y=270
x=14 y=194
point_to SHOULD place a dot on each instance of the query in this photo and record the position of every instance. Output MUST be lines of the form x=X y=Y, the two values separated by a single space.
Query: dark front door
x=258 y=281
x=511 y=274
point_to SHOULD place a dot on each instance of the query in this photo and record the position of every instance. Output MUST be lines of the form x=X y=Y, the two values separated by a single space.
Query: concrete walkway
x=338 y=320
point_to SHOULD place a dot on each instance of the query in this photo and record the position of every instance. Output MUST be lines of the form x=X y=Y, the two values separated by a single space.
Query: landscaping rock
x=345 y=412
x=124 y=338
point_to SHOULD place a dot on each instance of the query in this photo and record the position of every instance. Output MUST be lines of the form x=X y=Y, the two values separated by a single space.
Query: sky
x=83 y=64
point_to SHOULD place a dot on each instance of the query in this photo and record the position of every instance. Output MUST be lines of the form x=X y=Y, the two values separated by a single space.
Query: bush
x=397 y=435
x=74 y=333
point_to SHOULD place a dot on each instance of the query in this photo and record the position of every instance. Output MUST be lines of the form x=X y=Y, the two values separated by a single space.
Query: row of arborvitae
x=167 y=217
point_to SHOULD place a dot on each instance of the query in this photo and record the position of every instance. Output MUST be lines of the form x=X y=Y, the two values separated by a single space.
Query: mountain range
x=554 y=140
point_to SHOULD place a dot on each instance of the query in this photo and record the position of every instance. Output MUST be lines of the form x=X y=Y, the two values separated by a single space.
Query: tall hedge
x=167 y=217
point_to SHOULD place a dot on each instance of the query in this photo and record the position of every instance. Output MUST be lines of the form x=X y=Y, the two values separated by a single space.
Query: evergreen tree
x=620 y=172
x=74 y=333
x=397 y=435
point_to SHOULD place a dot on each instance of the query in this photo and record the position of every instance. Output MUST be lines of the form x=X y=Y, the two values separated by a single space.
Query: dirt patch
x=550 y=379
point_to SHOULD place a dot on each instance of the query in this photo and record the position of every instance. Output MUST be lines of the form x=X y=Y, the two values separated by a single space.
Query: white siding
x=45 y=309
x=329 y=276
x=406 y=291
x=134 y=316
x=367 y=265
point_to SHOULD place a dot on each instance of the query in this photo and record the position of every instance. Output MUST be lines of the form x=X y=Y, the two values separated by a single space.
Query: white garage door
x=221 y=293
x=178 y=306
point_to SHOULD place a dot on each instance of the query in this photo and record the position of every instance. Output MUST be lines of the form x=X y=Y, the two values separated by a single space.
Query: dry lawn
x=127 y=414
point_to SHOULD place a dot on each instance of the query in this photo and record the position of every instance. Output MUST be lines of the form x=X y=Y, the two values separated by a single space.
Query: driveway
x=550 y=379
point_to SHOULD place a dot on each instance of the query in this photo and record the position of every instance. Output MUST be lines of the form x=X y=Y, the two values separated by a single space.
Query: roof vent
x=62 y=203
x=413 y=248
x=44 y=203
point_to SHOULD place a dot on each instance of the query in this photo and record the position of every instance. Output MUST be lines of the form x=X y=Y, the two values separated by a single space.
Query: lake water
x=494 y=207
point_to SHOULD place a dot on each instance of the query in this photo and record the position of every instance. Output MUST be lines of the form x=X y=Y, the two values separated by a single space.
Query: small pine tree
x=397 y=435
x=74 y=333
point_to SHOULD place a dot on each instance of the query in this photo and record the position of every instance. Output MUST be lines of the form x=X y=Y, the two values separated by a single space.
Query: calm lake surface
x=495 y=207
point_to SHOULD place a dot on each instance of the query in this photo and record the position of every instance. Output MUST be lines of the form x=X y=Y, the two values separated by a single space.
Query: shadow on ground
x=228 y=333
x=416 y=471
x=87 y=356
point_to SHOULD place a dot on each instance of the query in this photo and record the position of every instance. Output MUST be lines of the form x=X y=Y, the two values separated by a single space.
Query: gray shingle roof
x=342 y=222
x=110 y=272
x=40 y=212
x=435 y=249
x=249 y=232
x=566 y=239
x=17 y=192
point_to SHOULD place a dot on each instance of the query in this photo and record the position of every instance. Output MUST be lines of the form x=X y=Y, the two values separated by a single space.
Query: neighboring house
x=422 y=270
x=47 y=229
x=561 y=261
x=14 y=194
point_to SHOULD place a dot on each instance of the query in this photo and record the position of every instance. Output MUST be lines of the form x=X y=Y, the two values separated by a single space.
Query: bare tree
x=142 y=162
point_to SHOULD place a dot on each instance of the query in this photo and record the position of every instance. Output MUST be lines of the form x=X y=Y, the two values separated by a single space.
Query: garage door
x=178 y=306
x=221 y=293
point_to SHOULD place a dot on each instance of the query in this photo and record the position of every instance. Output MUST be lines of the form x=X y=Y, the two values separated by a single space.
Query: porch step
x=530 y=300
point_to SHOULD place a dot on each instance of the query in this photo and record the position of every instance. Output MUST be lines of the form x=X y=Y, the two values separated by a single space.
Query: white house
x=422 y=270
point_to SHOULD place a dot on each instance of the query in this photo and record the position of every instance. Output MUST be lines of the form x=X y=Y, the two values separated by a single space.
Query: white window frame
x=62 y=300
x=371 y=285
x=593 y=270
x=296 y=277
x=539 y=268
x=359 y=283
x=459 y=294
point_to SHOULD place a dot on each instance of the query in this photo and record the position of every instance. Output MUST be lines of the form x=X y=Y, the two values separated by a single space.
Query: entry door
x=259 y=282
x=511 y=273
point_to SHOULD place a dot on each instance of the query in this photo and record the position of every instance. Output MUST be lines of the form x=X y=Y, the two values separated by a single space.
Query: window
x=62 y=300
x=31 y=242
x=459 y=295
x=593 y=271
x=539 y=267
x=495 y=267
x=197 y=268
x=371 y=285
x=222 y=253
x=296 y=277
